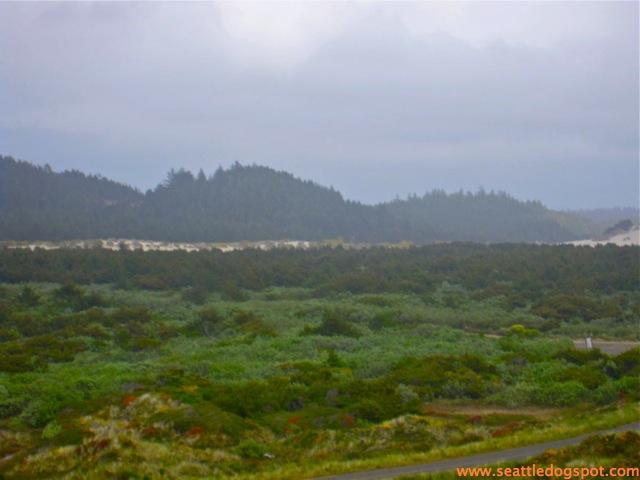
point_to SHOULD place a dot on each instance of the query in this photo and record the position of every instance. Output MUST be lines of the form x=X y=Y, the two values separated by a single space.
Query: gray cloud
x=377 y=99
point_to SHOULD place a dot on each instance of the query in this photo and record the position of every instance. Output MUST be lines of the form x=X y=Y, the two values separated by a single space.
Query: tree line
x=258 y=203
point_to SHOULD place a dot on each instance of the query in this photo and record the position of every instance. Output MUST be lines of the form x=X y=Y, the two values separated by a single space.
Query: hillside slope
x=258 y=203
x=38 y=203
x=480 y=217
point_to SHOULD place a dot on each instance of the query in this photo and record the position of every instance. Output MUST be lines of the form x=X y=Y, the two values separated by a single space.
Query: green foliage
x=51 y=430
x=36 y=352
x=579 y=357
x=8 y=334
x=558 y=394
x=233 y=293
x=332 y=325
x=384 y=319
x=566 y=307
x=28 y=296
x=132 y=315
x=209 y=322
x=334 y=360
x=628 y=363
x=587 y=375
x=521 y=331
x=222 y=377
x=407 y=394
x=77 y=298
x=562 y=284
x=370 y=409
x=446 y=377
x=196 y=294
x=251 y=449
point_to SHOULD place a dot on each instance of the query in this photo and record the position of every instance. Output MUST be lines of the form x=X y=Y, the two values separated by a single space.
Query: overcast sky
x=377 y=99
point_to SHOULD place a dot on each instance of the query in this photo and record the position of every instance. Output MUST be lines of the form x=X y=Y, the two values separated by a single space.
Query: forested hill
x=257 y=203
x=486 y=217
x=37 y=203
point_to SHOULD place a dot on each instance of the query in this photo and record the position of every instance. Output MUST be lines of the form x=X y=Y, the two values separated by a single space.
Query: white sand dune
x=630 y=238
x=148 y=245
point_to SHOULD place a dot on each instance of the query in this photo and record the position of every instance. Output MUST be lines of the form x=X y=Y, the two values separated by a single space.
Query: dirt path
x=522 y=453
x=609 y=347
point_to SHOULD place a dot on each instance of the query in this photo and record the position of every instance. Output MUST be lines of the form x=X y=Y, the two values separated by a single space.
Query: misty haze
x=375 y=99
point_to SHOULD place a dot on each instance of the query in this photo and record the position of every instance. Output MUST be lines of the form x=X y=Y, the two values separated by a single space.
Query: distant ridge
x=255 y=203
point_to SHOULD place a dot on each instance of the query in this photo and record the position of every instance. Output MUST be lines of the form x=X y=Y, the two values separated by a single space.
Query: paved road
x=514 y=454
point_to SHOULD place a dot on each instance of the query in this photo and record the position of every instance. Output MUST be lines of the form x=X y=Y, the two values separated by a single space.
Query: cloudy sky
x=378 y=99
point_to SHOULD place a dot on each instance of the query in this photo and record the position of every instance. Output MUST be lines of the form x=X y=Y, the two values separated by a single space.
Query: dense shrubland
x=215 y=363
x=517 y=274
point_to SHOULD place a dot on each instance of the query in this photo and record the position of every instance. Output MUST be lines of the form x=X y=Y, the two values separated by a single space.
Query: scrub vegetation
x=290 y=364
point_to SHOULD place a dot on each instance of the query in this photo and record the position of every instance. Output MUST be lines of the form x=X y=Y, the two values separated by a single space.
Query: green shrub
x=560 y=394
x=369 y=409
x=587 y=375
x=251 y=449
x=580 y=357
x=51 y=430
x=8 y=334
x=333 y=325
x=126 y=315
x=196 y=295
x=28 y=296
x=143 y=343
x=407 y=395
x=628 y=362
x=519 y=330
x=334 y=360
x=209 y=322
x=385 y=319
